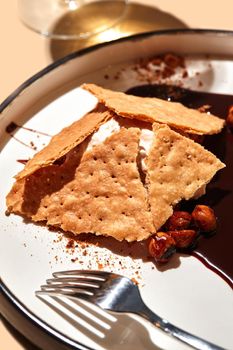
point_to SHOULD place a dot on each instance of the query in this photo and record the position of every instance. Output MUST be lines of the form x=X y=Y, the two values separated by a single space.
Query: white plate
x=187 y=294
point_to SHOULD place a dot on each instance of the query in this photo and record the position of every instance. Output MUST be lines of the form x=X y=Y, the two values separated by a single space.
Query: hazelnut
x=204 y=218
x=161 y=247
x=180 y=220
x=183 y=238
x=229 y=119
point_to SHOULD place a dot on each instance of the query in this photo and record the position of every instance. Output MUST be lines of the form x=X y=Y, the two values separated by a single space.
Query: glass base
x=71 y=19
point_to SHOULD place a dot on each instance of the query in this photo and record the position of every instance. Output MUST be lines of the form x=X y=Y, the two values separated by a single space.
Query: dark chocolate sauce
x=214 y=251
x=11 y=127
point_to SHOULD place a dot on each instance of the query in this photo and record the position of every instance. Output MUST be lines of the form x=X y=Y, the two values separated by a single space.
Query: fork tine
x=67 y=288
x=95 y=274
x=74 y=282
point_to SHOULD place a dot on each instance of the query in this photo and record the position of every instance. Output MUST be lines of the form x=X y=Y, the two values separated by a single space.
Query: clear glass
x=71 y=19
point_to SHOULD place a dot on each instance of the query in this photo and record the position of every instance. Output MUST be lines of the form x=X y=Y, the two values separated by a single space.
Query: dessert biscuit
x=154 y=109
x=67 y=139
x=97 y=191
x=177 y=167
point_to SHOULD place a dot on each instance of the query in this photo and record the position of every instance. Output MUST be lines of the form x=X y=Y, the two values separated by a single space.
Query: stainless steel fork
x=117 y=293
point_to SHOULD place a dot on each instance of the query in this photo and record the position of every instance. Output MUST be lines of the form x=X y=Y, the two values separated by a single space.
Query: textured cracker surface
x=67 y=139
x=97 y=191
x=177 y=168
x=156 y=110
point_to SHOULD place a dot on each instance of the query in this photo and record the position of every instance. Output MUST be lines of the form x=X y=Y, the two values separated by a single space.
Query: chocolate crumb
x=173 y=61
x=33 y=145
x=185 y=74
x=70 y=244
x=167 y=72
x=161 y=68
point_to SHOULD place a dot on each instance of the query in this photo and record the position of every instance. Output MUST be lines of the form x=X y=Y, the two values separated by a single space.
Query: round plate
x=184 y=292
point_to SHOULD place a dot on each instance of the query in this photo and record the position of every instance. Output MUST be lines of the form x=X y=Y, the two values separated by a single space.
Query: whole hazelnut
x=180 y=220
x=183 y=238
x=161 y=247
x=204 y=218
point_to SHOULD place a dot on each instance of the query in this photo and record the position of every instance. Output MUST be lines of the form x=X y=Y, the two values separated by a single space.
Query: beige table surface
x=23 y=53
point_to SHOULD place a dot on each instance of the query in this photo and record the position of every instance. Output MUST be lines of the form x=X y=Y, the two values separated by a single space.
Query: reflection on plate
x=185 y=292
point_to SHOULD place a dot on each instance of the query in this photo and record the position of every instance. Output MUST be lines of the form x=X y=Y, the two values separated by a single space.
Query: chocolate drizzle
x=12 y=127
x=22 y=161
x=214 y=251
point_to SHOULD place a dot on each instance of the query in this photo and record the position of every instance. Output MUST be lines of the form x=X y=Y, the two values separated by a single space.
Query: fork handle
x=185 y=337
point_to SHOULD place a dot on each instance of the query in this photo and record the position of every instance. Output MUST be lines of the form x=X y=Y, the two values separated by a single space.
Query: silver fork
x=117 y=293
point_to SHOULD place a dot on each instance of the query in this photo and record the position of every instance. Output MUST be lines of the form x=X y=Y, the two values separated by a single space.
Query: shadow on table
x=25 y=343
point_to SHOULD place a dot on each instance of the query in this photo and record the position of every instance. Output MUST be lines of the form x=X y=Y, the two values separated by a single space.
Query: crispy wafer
x=67 y=139
x=176 y=168
x=156 y=110
x=97 y=191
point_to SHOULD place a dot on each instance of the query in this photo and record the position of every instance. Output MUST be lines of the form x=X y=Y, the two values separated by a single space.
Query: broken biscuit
x=67 y=139
x=151 y=109
x=177 y=167
x=97 y=191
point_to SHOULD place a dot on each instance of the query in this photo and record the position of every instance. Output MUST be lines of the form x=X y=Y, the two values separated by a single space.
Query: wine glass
x=71 y=19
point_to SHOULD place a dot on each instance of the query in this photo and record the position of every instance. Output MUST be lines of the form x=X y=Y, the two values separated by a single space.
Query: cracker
x=176 y=168
x=156 y=110
x=67 y=139
x=97 y=191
